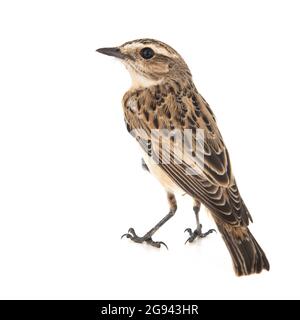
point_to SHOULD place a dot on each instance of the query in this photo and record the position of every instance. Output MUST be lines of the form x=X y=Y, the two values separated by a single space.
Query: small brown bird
x=163 y=105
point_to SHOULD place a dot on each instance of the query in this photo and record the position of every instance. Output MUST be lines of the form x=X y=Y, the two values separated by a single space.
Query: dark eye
x=147 y=53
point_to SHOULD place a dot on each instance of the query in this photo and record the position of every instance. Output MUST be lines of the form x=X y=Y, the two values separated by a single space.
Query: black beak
x=114 y=52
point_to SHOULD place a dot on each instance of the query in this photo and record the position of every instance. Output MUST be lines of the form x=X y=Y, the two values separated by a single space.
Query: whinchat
x=183 y=148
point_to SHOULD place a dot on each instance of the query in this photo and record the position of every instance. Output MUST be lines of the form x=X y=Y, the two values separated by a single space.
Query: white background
x=70 y=175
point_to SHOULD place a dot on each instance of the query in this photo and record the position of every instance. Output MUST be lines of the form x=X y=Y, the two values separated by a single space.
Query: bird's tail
x=247 y=256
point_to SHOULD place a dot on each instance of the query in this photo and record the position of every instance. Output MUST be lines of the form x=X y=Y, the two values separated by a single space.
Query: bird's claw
x=197 y=234
x=156 y=244
x=130 y=234
x=134 y=237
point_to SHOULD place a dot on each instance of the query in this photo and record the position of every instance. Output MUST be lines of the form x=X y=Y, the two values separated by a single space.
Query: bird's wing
x=202 y=168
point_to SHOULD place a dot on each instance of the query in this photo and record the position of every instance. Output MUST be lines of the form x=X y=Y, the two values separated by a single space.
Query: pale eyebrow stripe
x=157 y=46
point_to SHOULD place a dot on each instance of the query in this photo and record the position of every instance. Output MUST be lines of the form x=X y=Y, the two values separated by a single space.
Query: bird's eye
x=147 y=53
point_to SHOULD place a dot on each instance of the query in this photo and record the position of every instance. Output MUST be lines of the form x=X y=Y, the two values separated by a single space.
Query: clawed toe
x=156 y=244
x=197 y=233
x=134 y=237
x=131 y=235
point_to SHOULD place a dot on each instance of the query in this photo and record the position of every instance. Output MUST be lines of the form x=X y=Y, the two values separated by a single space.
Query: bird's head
x=149 y=62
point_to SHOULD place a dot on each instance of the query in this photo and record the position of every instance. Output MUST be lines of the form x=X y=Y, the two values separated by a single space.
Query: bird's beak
x=114 y=52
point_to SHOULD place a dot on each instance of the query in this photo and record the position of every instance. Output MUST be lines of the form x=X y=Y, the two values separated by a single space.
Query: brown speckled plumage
x=163 y=96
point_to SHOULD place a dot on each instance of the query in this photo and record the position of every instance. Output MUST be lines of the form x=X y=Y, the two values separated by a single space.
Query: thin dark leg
x=196 y=208
x=198 y=232
x=148 y=236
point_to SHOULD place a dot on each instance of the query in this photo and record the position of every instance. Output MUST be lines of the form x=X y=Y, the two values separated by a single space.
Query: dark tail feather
x=247 y=256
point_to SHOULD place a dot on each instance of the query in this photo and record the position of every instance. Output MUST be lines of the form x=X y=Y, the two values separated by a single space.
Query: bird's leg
x=148 y=236
x=198 y=232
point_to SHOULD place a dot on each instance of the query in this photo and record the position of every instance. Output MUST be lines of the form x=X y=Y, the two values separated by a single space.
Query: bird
x=163 y=110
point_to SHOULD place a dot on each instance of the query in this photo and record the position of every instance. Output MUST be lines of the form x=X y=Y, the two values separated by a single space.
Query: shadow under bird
x=164 y=97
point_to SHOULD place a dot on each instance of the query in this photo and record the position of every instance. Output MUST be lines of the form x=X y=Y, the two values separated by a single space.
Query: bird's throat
x=139 y=81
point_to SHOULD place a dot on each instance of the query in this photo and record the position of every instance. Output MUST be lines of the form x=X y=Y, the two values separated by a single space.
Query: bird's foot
x=197 y=233
x=147 y=239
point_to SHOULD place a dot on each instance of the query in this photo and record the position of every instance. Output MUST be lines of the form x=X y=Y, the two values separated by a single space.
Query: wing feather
x=212 y=181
